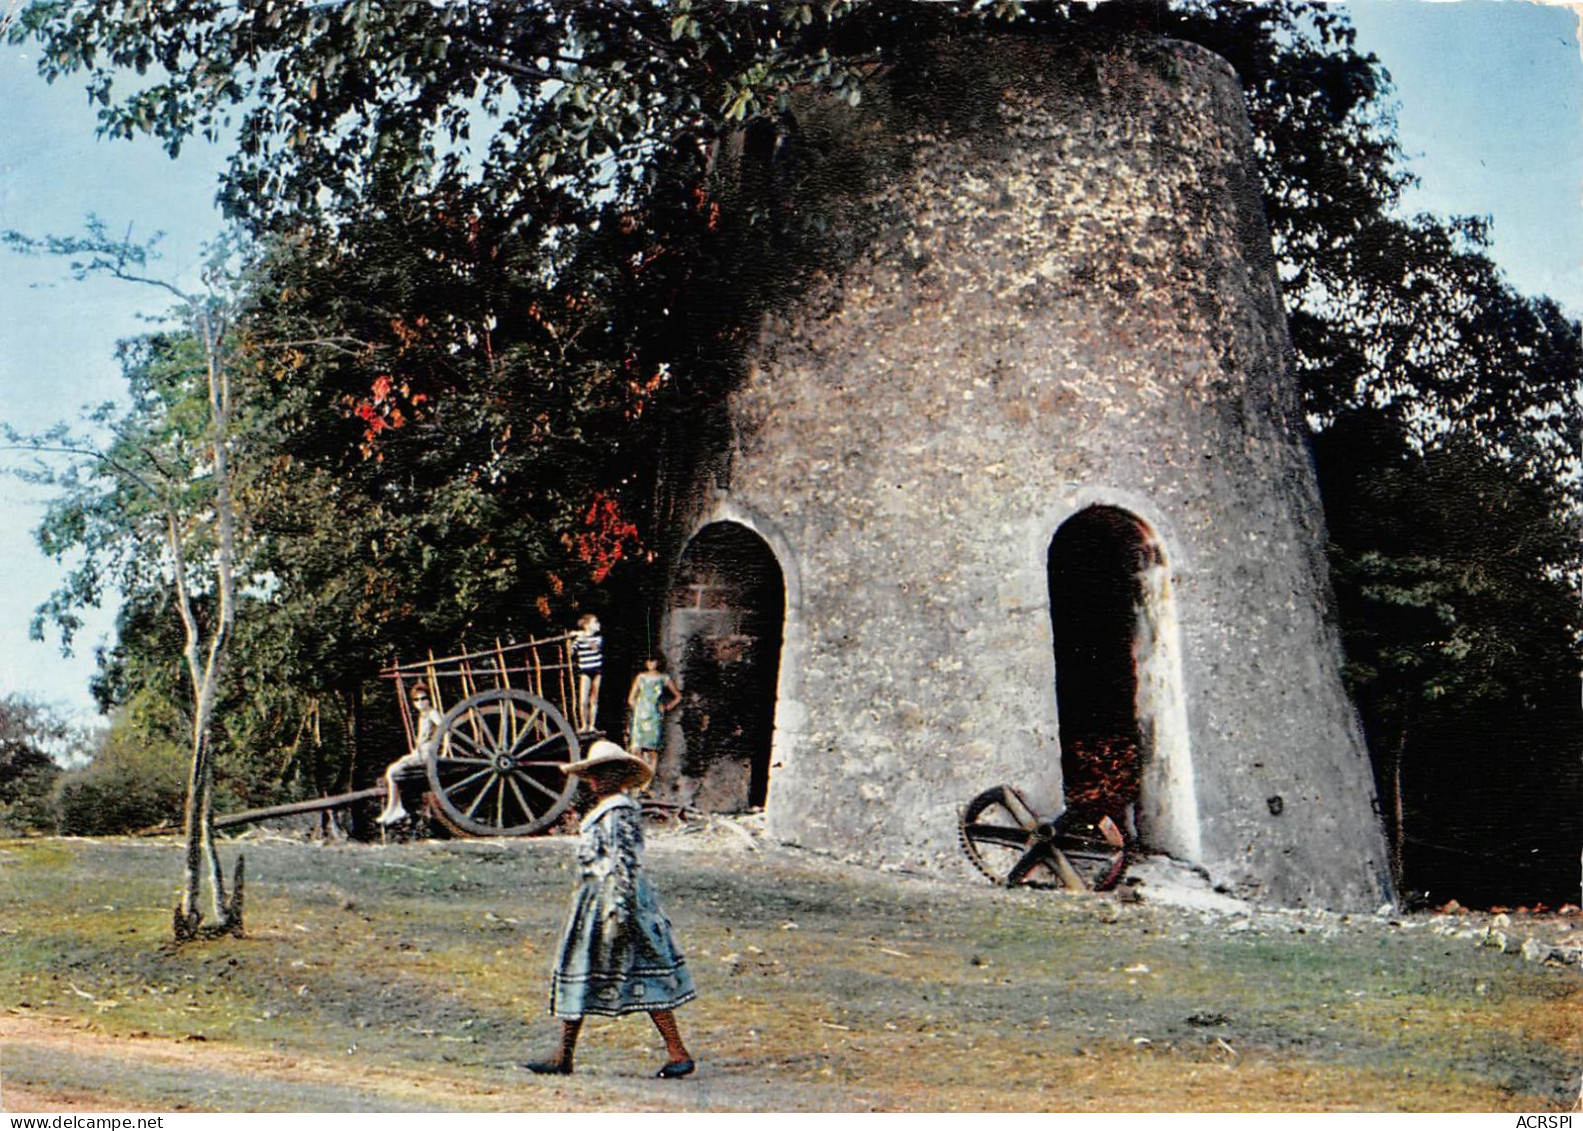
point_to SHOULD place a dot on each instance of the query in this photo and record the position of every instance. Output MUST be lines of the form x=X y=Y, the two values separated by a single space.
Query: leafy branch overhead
x=542 y=119
x=542 y=103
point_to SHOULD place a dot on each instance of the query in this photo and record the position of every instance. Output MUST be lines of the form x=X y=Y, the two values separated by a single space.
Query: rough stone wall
x=1065 y=298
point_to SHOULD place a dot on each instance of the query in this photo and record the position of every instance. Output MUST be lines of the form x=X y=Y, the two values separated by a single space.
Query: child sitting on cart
x=428 y=739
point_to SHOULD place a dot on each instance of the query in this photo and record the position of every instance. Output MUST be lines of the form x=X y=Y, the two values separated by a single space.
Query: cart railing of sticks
x=508 y=724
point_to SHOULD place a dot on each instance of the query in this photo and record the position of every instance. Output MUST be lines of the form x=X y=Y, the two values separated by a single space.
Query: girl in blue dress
x=618 y=954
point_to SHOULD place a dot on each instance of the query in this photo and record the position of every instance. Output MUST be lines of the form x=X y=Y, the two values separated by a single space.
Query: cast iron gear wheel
x=1015 y=847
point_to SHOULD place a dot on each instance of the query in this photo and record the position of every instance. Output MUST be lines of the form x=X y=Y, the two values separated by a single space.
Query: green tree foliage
x=541 y=105
x=269 y=737
x=31 y=739
x=113 y=520
x=1461 y=626
x=137 y=777
x=157 y=505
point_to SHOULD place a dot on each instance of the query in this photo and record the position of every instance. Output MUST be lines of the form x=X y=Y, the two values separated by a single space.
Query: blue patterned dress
x=618 y=953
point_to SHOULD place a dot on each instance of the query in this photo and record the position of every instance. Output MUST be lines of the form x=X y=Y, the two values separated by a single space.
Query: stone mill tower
x=1023 y=483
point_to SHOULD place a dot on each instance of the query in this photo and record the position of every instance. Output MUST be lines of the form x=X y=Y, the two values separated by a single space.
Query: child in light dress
x=653 y=693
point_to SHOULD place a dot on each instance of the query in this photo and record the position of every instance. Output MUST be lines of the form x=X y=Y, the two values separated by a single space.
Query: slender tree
x=168 y=467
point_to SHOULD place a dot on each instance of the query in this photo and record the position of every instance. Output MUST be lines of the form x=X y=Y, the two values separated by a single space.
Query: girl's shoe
x=391 y=816
x=551 y=1068
x=675 y=1070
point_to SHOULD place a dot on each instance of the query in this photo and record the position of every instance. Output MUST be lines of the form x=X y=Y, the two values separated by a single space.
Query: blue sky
x=1490 y=99
x=1491 y=118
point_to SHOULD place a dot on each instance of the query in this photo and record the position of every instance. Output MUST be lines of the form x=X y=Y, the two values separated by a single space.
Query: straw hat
x=604 y=753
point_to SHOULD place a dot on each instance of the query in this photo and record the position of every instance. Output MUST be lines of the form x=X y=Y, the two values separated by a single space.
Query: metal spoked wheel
x=1016 y=847
x=496 y=771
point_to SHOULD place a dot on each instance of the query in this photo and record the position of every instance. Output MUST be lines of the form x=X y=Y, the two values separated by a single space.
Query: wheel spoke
x=996 y=834
x=471 y=744
x=454 y=789
x=473 y=718
x=454 y=797
x=554 y=737
x=540 y=786
x=1098 y=866
x=483 y=793
x=528 y=728
x=509 y=732
x=1031 y=859
x=1070 y=876
x=1018 y=808
x=464 y=760
x=486 y=728
x=527 y=809
x=1112 y=834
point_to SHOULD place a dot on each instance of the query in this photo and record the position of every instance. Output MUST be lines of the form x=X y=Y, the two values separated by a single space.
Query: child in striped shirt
x=588 y=657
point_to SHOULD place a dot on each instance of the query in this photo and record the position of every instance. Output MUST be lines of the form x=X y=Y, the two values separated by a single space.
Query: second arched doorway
x=1118 y=683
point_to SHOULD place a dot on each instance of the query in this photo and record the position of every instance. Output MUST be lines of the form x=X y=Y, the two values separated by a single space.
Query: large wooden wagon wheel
x=496 y=769
x=1015 y=846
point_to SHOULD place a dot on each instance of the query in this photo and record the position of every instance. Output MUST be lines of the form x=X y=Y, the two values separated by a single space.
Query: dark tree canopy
x=29 y=732
x=1461 y=648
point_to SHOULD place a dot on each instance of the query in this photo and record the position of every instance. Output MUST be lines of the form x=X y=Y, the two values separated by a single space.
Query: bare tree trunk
x=1398 y=815
x=205 y=661
x=357 y=774
x=198 y=827
x=205 y=670
x=187 y=916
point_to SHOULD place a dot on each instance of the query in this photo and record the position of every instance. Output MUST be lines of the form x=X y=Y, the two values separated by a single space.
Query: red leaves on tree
x=642 y=390
x=606 y=538
x=710 y=208
x=411 y=335
x=382 y=409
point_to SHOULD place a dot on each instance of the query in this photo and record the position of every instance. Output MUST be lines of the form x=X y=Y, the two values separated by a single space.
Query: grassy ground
x=414 y=977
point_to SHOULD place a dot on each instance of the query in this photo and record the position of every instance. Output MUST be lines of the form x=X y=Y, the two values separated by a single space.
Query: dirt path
x=272 y=1081
x=117 y=1072
x=203 y=1068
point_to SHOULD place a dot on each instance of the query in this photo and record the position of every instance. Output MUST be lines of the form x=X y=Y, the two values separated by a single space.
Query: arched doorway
x=1118 y=679
x=727 y=618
